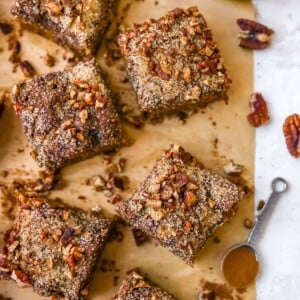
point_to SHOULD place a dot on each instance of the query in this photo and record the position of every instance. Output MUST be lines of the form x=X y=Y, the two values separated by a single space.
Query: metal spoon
x=279 y=185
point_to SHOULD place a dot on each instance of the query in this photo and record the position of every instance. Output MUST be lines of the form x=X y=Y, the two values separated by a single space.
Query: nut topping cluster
x=53 y=248
x=180 y=203
x=67 y=115
x=74 y=24
x=174 y=62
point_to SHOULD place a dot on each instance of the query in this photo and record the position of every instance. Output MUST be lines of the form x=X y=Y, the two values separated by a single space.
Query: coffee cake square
x=67 y=115
x=136 y=287
x=75 y=24
x=173 y=62
x=180 y=204
x=53 y=248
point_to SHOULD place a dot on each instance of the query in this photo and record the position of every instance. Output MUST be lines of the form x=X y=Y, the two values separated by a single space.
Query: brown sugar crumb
x=180 y=203
x=248 y=223
x=174 y=63
x=260 y=204
x=27 y=68
x=111 y=183
x=14 y=46
x=135 y=286
x=214 y=291
x=75 y=24
x=112 y=51
x=68 y=115
x=53 y=248
x=49 y=60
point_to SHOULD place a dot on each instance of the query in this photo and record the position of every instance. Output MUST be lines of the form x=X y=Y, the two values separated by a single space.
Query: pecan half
x=291 y=131
x=253 y=35
x=259 y=111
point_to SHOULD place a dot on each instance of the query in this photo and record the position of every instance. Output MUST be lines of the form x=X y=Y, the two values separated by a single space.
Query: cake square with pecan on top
x=173 y=62
x=135 y=286
x=180 y=204
x=53 y=248
x=75 y=24
x=67 y=115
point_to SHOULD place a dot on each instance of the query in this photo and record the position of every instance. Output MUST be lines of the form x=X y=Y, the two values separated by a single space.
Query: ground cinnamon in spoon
x=240 y=267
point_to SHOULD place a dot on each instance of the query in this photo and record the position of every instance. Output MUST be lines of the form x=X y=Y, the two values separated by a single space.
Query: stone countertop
x=277 y=77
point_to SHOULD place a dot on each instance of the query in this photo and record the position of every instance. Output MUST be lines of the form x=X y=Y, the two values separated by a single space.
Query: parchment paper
x=235 y=141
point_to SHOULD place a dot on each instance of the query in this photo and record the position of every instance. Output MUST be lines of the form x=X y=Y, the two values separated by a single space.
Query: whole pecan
x=254 y=35
x=291 y=131
x=259 y=111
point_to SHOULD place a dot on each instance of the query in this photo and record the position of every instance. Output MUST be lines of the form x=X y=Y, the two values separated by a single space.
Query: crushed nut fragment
x=49 y=60
x=248 y=223
x=26 y=68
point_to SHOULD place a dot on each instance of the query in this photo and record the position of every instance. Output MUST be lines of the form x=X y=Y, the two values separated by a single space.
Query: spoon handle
x=279 y=185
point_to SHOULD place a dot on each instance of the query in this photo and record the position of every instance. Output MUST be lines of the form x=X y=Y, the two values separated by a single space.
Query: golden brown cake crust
x=173 y=62
x=76 y=24
x=181 y=203
x=136 y=287
x=67 y=115
x=53 y=248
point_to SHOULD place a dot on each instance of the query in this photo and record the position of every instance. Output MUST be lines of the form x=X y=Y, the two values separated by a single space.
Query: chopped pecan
x=181 y=179
x=259 y=111
x=101 y=101
x=53 y=8
x=190 y=198
x=291 y=131
x=176 y=12
x=254 y=35
x=154 y=203
x=26 y=68
x=166 y=192
x=21 y=278
x=69 y=232
x=83 y=115
x=159 y=71
x=232 y=169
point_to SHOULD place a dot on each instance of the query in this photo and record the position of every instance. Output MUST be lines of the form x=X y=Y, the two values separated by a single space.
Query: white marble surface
x=277 y=76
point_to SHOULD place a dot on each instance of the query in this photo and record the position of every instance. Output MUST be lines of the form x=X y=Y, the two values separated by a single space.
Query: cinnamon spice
x=240 y=267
